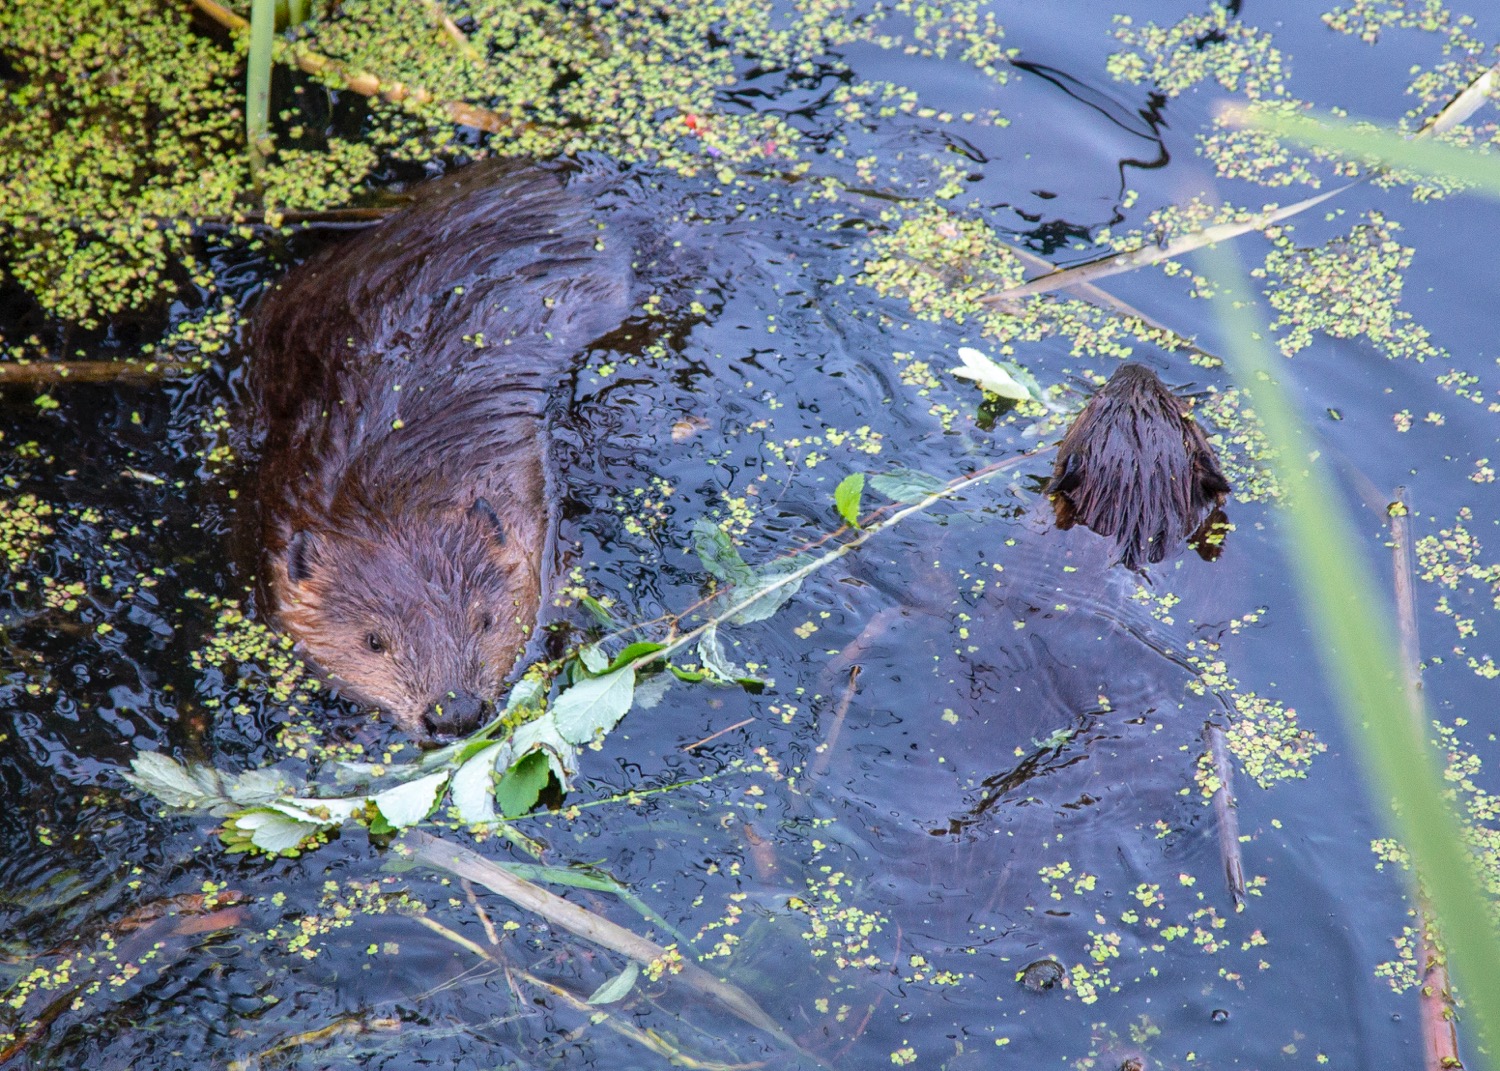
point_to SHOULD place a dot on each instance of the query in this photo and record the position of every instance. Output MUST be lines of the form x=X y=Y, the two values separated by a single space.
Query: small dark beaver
x=1134 y=467
x=401 y=384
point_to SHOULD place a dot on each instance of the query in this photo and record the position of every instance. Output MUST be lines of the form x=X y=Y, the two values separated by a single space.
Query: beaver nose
x=454 y=715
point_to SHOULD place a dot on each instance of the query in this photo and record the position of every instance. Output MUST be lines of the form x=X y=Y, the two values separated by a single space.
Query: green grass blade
x=1361 y=657
x=258 y=80
x=1424 y=156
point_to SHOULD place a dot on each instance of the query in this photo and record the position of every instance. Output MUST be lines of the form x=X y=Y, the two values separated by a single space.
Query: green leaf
x=634 y=651
x=406 y=805
x=257 y=786
x=718 y=553
x=906 y=485
x=691 y=676
x=173 y=783
x=617 y=987
x=847 y=495
x=593 y=658
x=258 y=79
x=270 y=831
x=473 y=791
x=1390 y=147
x=765 y=578
x=989 y=375
x=593 y=706
x=597 y=608
x=528 y=692
x=522 y=785
x=571 y=877
x=542 y=735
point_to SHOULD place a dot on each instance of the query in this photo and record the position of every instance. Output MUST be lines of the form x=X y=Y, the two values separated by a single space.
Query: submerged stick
x=1435 y=997
x=464 y=863
x=1226 y=814
x=831 y=738
x=1103 y=298
x=53 y=373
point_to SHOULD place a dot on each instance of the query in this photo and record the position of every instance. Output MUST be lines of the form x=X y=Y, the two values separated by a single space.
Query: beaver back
x=401 y=384
x=1136 y=468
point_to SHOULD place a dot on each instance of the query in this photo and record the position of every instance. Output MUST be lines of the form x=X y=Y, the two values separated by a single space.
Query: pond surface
x=965 y=825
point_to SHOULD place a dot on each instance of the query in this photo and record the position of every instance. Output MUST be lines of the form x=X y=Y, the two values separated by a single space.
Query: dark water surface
x=1010 y=779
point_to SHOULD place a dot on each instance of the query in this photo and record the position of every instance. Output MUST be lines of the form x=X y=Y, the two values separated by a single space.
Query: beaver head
x=421 y=613
x=1136 y=468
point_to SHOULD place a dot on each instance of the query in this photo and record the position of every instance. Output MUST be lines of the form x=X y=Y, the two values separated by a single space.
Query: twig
x=825 y=753
x=457 y=938
x=1091 y=293
x=1474 y=96
x=464 y=863
x=52 y=373
x=1435 y=997
x=715 y=736
x=343 y=1026
x=456 y=35
x=1461 y=107
x=484 y=916
x=796 y=576
x=646 y=1038
x=1145 y=256
x=1226 y=816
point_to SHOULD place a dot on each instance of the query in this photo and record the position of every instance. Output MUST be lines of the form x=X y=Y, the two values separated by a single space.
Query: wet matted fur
x=1136 y=468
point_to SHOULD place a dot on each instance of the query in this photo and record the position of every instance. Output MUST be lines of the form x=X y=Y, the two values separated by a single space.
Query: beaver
x=401 y=387
x=1135 y=468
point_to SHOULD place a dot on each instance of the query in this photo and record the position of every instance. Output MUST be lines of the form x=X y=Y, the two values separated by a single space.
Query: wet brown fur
x=1136 y=468
x=401 y=385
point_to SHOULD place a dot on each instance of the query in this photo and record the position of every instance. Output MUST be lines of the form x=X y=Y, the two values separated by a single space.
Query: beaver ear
x=298 y=552
x=486 y=512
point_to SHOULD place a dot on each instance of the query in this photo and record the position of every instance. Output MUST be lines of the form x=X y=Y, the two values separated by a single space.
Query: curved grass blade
x=1361 y=658
x=1426 y=157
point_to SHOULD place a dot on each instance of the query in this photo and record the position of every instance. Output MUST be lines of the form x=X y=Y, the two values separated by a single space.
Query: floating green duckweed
x=1215 y=45
x=1263 y=734
x=1242 y=446
x=837 y=931
x=944 y=265
x=1463 y=771
x=23 y=528
x=1452 y=561
x=1349 y=287
x=257 y=661
x=120 y=136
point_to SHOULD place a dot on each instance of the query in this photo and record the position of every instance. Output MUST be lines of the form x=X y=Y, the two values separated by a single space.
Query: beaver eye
x=486 y=623
x=374 y=642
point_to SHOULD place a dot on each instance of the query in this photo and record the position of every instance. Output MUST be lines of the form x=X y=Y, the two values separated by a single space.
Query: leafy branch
x=496 y=774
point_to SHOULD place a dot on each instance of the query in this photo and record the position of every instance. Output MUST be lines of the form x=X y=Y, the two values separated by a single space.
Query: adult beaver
x=1134 y=467
x=401 y=385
